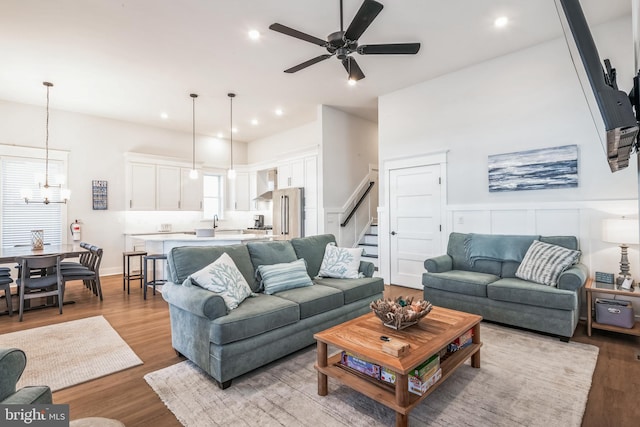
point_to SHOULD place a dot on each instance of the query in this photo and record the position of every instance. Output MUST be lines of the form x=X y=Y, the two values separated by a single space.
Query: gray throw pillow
x=543 y=263
x=281 y=277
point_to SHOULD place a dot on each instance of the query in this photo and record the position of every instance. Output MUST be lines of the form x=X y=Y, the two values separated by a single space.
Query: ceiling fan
x=343 y=44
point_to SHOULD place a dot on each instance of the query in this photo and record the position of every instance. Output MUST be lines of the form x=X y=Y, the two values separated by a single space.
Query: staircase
x=369 y=245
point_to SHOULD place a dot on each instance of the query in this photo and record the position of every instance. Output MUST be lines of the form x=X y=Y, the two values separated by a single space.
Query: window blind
x=18 y=217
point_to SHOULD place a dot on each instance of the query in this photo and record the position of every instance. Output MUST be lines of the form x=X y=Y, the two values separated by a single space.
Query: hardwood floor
x=144 y=325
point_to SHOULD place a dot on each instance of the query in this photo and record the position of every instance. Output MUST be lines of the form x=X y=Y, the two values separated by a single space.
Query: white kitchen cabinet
x=253 y=190
x=191 y=191
x=168 y=188
x=162 y=185
x=141 y=186
x=242 y=199
x=291 y=174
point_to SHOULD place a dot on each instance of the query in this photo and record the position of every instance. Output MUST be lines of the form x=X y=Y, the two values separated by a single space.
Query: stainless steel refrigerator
x=288 y=213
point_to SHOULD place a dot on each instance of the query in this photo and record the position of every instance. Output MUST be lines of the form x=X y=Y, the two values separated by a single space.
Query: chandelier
x=46 y=189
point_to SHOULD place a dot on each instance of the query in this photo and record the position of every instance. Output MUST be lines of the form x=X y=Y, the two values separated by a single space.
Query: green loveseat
x=487 y=284
x=262 y=328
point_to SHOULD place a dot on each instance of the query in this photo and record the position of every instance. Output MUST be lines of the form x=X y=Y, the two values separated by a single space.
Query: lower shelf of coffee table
x=384 y=393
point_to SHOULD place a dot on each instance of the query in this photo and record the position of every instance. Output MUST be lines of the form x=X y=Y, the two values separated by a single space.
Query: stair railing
x=357 y=205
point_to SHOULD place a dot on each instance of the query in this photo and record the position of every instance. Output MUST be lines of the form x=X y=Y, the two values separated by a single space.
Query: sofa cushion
x=569 y=242
x=253 y=317
x=354 y=289
x=223 y=277
x=460 y=282
x=267 y=253
x=544 y=262
x=341 y=263
x=524 y=292
x=311 y=248
x=185 y=260
x=280 y=277
x=314 y=299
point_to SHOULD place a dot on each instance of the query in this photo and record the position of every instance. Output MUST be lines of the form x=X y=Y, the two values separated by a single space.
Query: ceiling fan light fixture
x=254 y=34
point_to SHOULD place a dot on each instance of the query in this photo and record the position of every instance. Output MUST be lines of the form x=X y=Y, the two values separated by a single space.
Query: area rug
x=71 y=353
x=525 y=379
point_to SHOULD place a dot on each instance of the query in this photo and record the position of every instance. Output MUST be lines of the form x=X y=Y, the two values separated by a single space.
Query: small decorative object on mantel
x=401 y=312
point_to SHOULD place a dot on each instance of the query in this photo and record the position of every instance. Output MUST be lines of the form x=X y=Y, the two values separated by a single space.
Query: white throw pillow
x=544 y=262
x=340 y=263
x=223 y=277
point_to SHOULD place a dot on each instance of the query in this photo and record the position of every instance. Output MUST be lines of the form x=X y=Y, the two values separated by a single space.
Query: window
x=19 y=218
x=212 y=195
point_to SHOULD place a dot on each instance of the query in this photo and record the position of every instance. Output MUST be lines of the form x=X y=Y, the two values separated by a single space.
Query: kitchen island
x=164 y=242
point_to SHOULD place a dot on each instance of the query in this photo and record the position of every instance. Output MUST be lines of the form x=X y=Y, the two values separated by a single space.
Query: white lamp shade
x=620 y=231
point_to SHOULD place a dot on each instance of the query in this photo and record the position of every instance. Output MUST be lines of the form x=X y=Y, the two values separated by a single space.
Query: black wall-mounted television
x=611 y=108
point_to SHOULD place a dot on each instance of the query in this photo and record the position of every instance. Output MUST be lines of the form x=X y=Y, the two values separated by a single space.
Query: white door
x=414 y=222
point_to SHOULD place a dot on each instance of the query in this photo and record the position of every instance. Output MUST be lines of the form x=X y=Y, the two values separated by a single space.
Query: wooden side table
x=604 y=288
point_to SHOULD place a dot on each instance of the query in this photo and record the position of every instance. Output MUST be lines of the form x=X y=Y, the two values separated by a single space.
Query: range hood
x=267 y=181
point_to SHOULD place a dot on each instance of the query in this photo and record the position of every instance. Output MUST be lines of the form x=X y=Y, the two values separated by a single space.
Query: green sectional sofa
x=487 y=284
x=263 y=327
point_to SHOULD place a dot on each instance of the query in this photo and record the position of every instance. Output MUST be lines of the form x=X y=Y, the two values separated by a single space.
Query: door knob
x=393 y=233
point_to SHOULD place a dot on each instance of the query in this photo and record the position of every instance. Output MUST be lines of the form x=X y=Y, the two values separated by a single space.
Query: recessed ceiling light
x=164 y=116
x=234 y=130
x=219 y=135
x=254 y=122
x=279 y=112
x=501 y=22
x=254 y=34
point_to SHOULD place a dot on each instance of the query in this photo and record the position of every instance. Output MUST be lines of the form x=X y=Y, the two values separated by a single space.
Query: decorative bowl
x=401 y=312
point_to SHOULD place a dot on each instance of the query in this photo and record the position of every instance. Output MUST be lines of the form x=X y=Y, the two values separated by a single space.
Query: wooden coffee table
x=361 y=336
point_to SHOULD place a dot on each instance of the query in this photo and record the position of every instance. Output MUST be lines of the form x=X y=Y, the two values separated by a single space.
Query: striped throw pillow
x=544 y=262
x=281 y=277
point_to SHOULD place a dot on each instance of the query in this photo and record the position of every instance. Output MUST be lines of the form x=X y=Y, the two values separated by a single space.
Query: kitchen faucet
x=215 y=218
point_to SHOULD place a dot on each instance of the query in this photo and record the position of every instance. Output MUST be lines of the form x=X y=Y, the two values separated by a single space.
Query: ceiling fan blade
x=297 y=34
x=389 y=49
x=352 y=67
x=364 y=17
x=308 y=63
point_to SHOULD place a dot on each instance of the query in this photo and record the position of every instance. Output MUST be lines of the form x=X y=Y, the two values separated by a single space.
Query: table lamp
x=622 y=231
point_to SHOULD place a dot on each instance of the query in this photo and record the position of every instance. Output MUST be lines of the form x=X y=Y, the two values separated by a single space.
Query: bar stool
x=153 y=258
x=127 y=274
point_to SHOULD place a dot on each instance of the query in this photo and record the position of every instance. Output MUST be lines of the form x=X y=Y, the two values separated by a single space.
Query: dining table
x=9 y=254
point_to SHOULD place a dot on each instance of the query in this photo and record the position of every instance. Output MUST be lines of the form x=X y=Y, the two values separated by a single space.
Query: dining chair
x=5 y=283
x=48 y=283
x=89 y=273
x=83 y=259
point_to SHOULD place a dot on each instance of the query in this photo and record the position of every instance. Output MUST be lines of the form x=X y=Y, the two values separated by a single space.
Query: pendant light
x=193 y=174
x=45 y=189
x=231 y=174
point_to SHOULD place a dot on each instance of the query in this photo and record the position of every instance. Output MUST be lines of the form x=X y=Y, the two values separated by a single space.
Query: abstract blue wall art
x=545 y=168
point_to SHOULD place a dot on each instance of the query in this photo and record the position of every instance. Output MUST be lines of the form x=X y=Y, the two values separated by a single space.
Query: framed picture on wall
x=99 y=193
x=546 y=168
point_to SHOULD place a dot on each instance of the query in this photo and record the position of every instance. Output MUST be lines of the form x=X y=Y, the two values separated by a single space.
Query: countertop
x=237 y=237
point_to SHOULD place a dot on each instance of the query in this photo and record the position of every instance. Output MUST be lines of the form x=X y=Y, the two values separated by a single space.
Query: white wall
x=291 y=142
x=96 y=151
x=349 y=146
x=526 y=100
